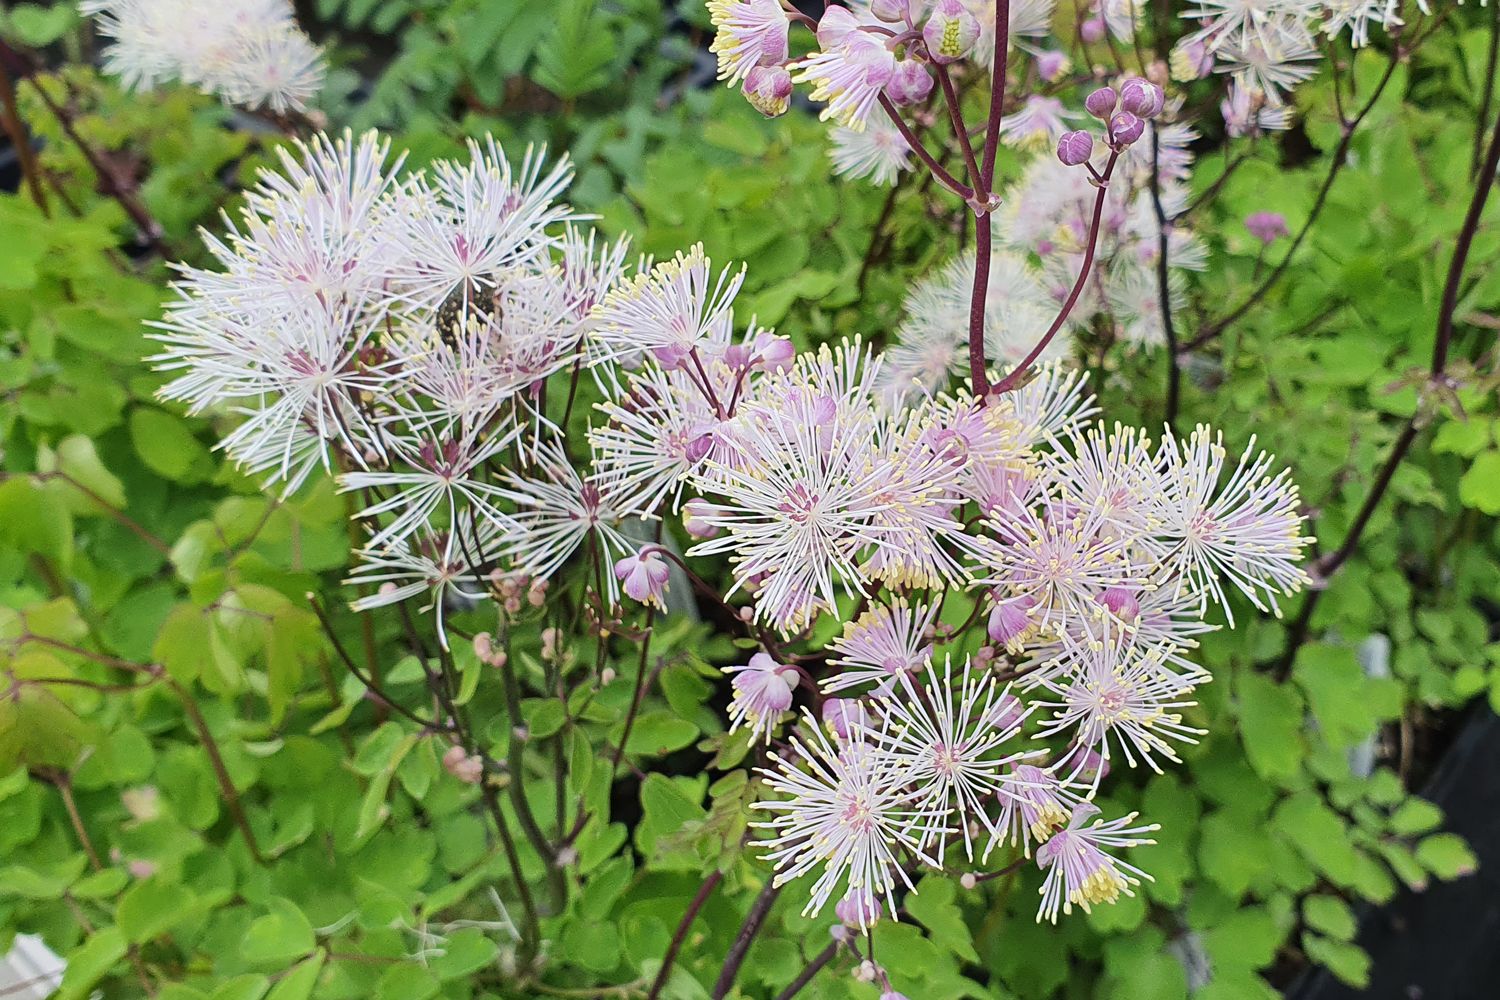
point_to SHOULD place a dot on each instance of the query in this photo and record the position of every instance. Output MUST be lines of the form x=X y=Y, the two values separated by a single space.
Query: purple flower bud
x=842 y=715
x=1011 y=622
x=951 y=31
x=1101 y=103
x=1121 y=601
x=644 y=576
x=775 y=353
x=698 y=448
x=1125 y=128
x=769 y=90
x=1051 y=65
x=859 y=908
x=911 y=83
x=1268 y=227
x=671 y=357
x=1141 y=98
x=894 y=11
x=693 y=513
x=1091 y=763
x=1075 y=148
x=1091 y=30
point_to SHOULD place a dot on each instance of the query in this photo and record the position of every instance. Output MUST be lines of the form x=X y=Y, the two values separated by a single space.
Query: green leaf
x=1415 y=816
x=1329 y=915
x=167 y=447
x=90 y=962
x=1348 y=962
x=465 y=953
x=31 y=521
x=279 y=937
x=934 y=906
x=1319 y=835
x=407 y=982
x=1270 y=725
x=299 y=982
x=1480 y=486
x=1447 y=856
x=152 y=907
x=77 y=459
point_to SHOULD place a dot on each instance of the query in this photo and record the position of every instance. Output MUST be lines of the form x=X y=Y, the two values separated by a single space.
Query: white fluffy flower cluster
x=423 y=335
x=1268 y=47
x=249 y=52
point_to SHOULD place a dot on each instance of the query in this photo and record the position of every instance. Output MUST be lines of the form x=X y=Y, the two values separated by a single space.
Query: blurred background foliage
x=197 y=800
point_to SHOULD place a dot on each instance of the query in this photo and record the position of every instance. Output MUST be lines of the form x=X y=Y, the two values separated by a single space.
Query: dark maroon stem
x=983 y=235
x=759 y=910
x=923 y=153
x=1330 y=563
x=813 y=968
x=683 y=926
x=1018 y=374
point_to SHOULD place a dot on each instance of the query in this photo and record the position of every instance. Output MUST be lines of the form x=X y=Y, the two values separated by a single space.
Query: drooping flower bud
x=1141 y=98
x=843 y=715
x=644 y=575
x=1005 y=713
x=762 y=691
x=895 y=11
x=775 y=353
x=1268 y=227
x=859 y=908
x=1075 y=148
x=1121 y=602
x=1191 y=60
x=1091 y=765
x=457 y=762
x=1092 y=30
x=698 y=448
x=1011 y=622
x=911 y=83
x=1125 y=128
x=1051 y=64
x=769 y=90
x=1101 y=103
x=950 y=32
x=693 y=513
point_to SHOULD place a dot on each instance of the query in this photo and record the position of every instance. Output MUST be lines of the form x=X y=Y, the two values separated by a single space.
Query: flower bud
x=968 y=880
x=775 y=353
x=1050 y=65
x=1141 y=98
x=1092 y=30
x=1011 y=622
x=693 y=513
x=1191 y=60
x=644 y=575
x=911 y=84
x=894 y=11
x=1125 y=128
x=843 y=715
x=698 y=448
x=769 y=90
x=1121 y=602
x=1075 y=148
x=1101 y=103
x=859 y=908
x=950 y=32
